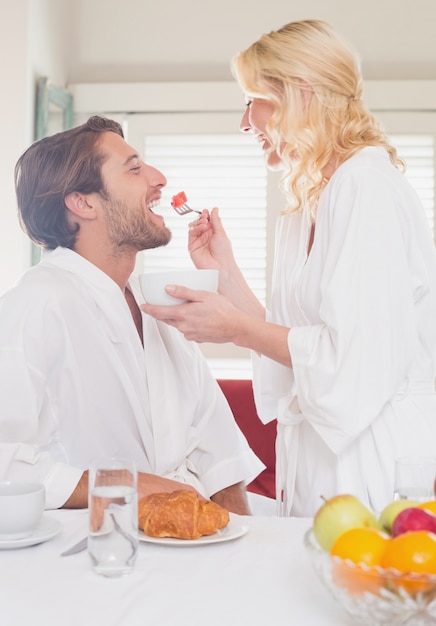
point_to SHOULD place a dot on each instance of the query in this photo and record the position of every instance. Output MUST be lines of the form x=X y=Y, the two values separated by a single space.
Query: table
x=264 y=578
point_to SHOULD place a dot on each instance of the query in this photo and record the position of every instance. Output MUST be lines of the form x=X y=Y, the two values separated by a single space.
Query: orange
x=412 y=552
x=361 y=546
x=428 y=506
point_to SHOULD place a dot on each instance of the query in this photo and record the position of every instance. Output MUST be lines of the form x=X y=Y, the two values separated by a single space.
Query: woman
x=345 y=355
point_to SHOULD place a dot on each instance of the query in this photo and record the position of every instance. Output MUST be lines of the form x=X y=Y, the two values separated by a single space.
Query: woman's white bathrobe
x=362 y=313
x=76 y=384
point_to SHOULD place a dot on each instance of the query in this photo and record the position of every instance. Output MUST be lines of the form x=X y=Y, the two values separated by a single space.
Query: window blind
x=228 y=171
x=418 y=153
x=225 y=170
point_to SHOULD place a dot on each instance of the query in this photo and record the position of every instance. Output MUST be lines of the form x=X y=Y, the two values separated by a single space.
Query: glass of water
x=113 y=516
x=415 y=478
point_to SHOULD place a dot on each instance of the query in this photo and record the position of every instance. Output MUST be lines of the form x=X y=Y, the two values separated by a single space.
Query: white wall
x=33 y=44
x=186 y=40
x=15 y=113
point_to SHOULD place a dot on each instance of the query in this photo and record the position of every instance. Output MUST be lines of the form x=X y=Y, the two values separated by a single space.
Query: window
x=407 y=109
x=414 y=134
x=228 y=170
x=216 y=166
x=418 y=153
x=214 y=170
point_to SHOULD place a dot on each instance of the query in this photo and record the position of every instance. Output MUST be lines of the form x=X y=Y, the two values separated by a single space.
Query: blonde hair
x=329 y=125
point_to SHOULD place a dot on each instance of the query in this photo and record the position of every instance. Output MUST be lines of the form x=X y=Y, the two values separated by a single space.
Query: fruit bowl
x=375 y=596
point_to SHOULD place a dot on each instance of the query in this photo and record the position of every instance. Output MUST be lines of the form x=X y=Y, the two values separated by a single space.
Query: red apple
x=414 y=519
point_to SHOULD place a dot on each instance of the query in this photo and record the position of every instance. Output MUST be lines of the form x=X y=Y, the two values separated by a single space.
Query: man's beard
x=128 y=230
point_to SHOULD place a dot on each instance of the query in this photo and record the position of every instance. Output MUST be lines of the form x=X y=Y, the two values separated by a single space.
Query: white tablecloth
x=261 y=579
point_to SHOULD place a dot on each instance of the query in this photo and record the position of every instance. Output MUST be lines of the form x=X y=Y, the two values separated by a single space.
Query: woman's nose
x=245 y=125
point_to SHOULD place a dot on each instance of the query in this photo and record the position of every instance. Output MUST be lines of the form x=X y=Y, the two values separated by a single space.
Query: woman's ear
x=81 y=205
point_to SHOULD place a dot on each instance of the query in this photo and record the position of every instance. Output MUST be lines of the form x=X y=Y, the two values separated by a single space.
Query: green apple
x=390 y=512
x=339 y=514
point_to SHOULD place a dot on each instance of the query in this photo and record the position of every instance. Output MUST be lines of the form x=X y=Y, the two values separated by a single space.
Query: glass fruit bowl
x=375 y=596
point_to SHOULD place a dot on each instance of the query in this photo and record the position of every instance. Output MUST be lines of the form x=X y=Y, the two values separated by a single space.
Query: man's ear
x=82 y=205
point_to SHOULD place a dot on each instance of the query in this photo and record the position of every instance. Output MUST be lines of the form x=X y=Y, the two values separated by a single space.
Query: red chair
x=261 y=437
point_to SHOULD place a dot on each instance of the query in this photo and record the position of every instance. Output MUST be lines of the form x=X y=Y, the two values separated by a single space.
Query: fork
x=183 y=209
x=180 y=207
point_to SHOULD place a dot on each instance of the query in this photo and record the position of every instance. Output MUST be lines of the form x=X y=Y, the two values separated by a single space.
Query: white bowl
x=153 y=284
x=21 y=508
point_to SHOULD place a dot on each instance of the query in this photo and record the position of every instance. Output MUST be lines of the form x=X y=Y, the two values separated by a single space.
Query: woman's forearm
x=268 y=339
x=233 y=286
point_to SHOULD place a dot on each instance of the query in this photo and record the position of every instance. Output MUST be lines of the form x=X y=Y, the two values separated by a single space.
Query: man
x=84 y=374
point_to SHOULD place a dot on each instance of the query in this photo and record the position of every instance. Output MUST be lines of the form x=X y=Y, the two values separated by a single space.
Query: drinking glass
x=415 y=478
x=113 y=516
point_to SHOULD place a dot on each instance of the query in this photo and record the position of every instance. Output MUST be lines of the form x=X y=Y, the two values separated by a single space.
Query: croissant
x=181 y=514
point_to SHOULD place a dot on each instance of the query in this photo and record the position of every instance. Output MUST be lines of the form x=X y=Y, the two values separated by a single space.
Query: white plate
x=233 y=530
x=47 y=528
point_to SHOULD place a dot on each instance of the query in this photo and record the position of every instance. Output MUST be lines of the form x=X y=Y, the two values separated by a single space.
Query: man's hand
x=233 y=498
x=147 y=483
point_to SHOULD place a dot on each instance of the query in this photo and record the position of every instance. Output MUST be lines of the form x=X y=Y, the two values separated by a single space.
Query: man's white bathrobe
x=362 y=312
x=76 y=384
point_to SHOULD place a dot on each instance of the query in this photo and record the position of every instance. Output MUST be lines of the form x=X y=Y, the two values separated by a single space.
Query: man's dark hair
x=51 y=169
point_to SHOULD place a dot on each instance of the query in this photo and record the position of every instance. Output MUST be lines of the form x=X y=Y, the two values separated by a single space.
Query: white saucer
x=47 y=528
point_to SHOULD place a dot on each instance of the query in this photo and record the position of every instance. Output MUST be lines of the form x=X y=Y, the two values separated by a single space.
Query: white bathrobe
x=76 y=384
x=362 y=313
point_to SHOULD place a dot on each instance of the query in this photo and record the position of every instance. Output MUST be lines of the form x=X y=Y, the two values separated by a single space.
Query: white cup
x=415 y=478
x=153 y=284
x=21 y=508
x=113 y=516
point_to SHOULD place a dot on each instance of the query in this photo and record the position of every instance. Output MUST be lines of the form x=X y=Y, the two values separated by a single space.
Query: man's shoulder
x=37 y=287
